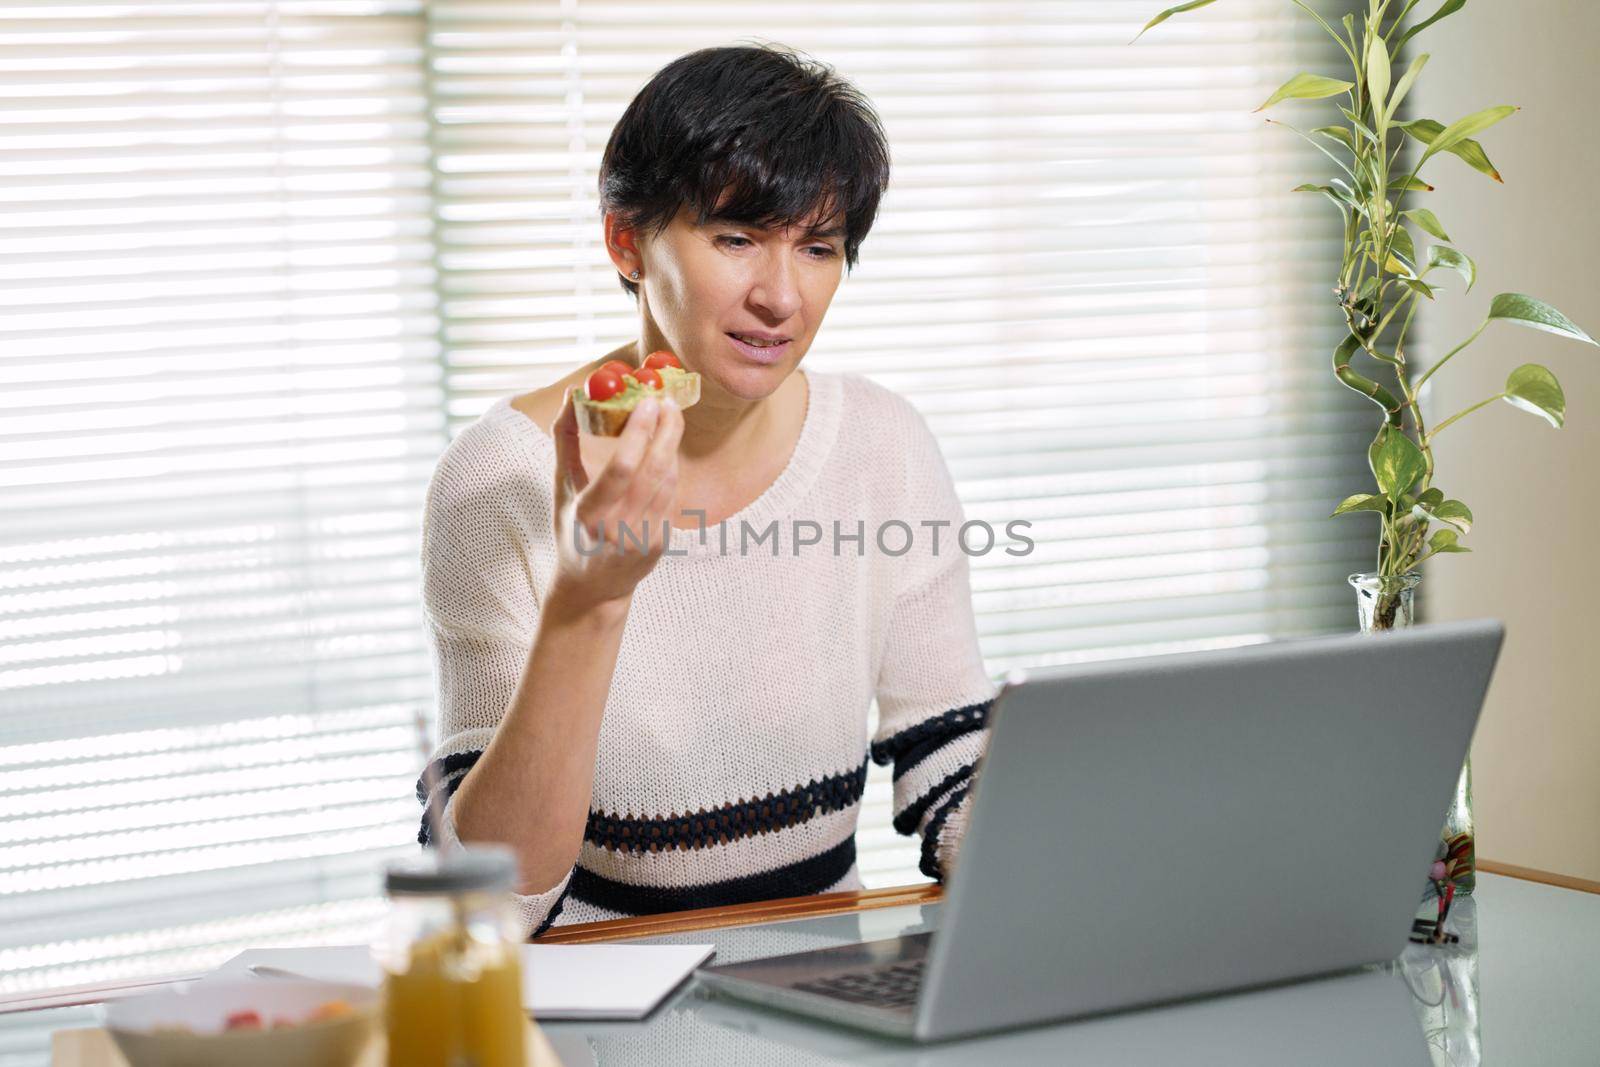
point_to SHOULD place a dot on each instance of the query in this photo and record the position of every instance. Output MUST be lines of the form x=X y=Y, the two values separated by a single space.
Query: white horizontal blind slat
x=220 y=399
x=1088 y=273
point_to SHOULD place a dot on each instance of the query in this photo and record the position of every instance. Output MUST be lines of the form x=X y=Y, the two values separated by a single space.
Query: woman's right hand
x=636 y=488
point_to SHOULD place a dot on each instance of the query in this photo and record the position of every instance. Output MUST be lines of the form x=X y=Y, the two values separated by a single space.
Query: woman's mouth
x=760 y=350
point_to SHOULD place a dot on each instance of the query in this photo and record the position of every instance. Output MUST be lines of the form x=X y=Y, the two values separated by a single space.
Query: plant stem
x=1314 y=144
x=1400 y=18
x=1413 y=400
x=1431 y=370
x=1400 y=196
x=1399 y=342
x=1463 y=414
x=1324 y=24
x=1384 y=323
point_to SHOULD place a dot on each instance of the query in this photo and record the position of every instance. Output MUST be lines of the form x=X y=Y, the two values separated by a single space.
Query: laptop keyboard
x=882 y=987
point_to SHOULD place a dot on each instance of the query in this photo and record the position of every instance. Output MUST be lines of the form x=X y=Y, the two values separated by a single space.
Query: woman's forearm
x=530 y=788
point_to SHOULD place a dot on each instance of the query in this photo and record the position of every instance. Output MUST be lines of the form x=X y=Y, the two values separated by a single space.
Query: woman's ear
x=622 y=245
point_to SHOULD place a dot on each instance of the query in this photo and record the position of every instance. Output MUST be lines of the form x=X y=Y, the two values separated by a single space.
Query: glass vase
x=1385 y=603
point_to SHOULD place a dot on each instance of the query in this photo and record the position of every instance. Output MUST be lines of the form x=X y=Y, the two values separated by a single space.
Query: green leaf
x=1333 y=197
x=1455 y=513
x=1406 y=82
x=1378 y=79
x=1462 y=129
x=1168 y=13
x=1342 y=191
x=1338 y=133
x=1396 y=462
x=1392 y=264
x=1411 y=184
x=1449 y=7
x=1418 y=286
x=1535 y=390
x=1431 y=497
x=1370 y=164
x=1427 y=131
x=1339 y=199
x=1400 y=242
x=1526 y=311
x=1453 y=259
x=1329 y=30
x=1428 y=221
x=1362 y=502
x=1361 y=127
x=1307 y=87
x=1445 y=541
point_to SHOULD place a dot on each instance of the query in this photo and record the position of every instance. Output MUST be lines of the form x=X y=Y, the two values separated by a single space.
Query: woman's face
x=704 y=286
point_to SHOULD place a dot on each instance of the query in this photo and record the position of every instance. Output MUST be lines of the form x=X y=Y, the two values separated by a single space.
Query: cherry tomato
x=243 y=1020
x=603 y=384
x=646 y=376
x=660 y=359
x=617 y=365
x=330 y=1009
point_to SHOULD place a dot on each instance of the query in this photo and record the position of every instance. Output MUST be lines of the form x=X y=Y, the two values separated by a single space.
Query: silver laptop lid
x=1152 y=829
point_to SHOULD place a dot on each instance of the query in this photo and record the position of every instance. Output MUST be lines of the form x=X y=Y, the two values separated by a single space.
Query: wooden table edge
x=1533 y=874
x=678 y=922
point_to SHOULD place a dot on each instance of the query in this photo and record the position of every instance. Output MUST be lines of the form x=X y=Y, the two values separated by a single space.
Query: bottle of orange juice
x=453 y=984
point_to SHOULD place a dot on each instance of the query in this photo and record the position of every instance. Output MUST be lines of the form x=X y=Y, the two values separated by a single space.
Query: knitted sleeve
x=933 y=693
x=482 y=613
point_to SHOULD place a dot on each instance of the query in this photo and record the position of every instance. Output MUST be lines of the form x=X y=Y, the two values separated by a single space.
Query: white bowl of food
x=247 y=1023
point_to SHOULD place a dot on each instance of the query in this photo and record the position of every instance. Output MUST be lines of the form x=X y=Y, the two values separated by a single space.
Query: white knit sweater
x=733 y=749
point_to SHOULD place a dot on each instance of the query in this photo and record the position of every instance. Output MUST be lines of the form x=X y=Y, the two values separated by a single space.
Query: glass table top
x=1521 y=987
x=1522 y=984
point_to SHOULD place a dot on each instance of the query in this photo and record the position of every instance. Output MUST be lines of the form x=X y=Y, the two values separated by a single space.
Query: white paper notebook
x=558 y=981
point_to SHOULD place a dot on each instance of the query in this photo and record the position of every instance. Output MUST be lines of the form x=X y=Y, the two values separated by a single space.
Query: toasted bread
x=607 y=418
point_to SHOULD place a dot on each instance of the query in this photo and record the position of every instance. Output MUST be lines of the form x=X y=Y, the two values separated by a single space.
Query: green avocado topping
x=633 y=392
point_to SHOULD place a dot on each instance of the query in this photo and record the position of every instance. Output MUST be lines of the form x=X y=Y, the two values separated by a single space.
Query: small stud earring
x=634 y=275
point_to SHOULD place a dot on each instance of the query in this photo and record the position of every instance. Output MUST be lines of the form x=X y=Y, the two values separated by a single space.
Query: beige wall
x=1534 y=490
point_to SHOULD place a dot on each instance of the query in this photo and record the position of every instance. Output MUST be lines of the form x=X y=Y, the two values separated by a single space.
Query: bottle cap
x=472 y=868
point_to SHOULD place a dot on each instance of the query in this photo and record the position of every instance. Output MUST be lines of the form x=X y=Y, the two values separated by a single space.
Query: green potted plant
x=1384 y=277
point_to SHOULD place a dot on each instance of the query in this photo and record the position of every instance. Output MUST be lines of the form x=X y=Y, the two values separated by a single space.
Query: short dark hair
x=758 y=133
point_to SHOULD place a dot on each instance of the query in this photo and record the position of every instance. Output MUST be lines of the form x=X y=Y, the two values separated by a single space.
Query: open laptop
x=1151 y=830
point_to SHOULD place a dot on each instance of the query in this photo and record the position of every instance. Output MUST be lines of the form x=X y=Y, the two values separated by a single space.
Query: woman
x=684 y=724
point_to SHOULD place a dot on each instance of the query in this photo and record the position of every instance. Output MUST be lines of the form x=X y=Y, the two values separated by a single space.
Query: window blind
x=220 y=400
x=261 y=259
x=1089 y=273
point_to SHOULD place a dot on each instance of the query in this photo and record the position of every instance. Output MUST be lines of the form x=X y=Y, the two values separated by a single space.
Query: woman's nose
x=777 y=288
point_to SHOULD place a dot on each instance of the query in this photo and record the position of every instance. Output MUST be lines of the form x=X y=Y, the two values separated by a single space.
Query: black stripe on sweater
x=730 y=822
x=702 y=829
x=921 y=751
x=915 y=743
x=906 y=821
x=555 y=909
x=795 y=880
x=451 y=770
x=930 y=838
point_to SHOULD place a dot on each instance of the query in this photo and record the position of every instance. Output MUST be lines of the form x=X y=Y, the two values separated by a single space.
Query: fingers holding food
x=570 y=474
